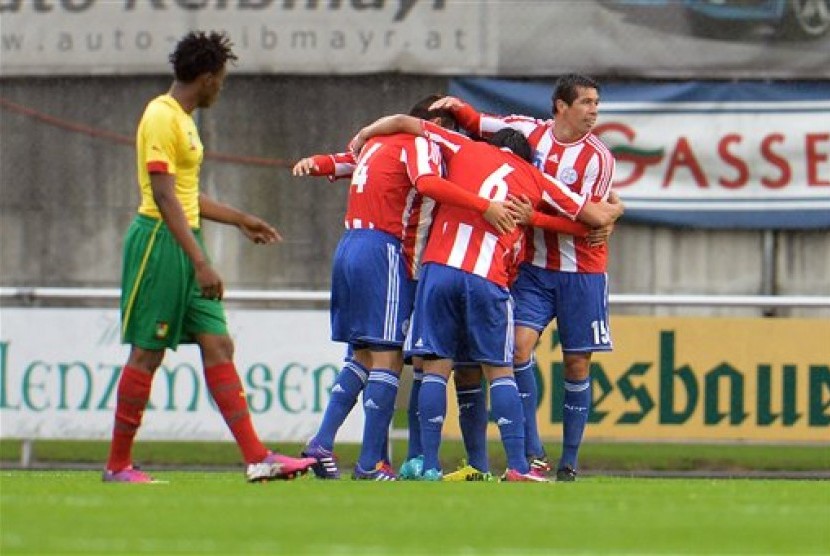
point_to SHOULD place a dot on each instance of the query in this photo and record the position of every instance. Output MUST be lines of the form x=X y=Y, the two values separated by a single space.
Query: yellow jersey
x=168 y=142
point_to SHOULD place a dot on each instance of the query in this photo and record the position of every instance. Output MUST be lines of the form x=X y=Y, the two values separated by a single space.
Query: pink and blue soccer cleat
x=513 y=476
x=278 y=467
x=127 y=475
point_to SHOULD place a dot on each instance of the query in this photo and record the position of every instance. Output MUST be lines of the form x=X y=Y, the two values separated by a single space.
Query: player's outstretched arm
x=333 y=166
x=307 y=166
x=253 y=227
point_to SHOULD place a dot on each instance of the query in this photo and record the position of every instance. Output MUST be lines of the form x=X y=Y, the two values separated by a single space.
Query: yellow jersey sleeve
x=168 y=142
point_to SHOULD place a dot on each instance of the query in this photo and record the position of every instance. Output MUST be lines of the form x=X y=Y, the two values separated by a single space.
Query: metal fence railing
x=25 y=295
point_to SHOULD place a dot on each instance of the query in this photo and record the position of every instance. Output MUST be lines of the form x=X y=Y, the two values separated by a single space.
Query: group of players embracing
x=466 y=234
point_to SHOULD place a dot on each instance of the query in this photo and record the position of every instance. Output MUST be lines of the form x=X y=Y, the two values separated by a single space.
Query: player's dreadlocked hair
x=567 y=85
x=199 y=52
x=513 y=140
x=421 y=110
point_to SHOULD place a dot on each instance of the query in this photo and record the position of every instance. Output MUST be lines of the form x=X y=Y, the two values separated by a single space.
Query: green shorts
x=161 y=303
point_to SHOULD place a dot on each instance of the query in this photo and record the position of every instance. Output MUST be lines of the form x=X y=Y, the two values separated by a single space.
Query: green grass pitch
x=73 y=512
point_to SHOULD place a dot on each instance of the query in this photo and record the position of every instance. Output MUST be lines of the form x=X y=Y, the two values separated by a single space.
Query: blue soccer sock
x=384 y=450
x=347 y=386
x=576 y=404
x=507 y=411
x=378 y=406
x=432 y=410
x=472 y=418
x=414 y=448
x=529 y=394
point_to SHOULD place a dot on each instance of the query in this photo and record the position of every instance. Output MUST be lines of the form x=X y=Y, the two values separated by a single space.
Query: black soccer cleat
x=566 y=474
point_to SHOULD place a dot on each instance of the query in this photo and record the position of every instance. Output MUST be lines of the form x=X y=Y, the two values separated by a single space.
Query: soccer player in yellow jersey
x=171 y=293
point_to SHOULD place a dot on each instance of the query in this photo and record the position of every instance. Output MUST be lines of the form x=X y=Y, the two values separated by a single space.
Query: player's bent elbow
x=611 y=212
x=595 y=215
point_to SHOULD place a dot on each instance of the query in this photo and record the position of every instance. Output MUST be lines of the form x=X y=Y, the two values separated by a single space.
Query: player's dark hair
x=421 y=110
x=199 y=52
x=567 y=85
x=513 y=140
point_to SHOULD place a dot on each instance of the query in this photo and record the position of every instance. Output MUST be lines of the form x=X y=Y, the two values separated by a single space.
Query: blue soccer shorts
x=371 y=291
x=457 y=312
x=577 y=300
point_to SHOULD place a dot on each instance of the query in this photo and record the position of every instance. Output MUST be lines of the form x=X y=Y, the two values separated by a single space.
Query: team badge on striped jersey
x=568 y=176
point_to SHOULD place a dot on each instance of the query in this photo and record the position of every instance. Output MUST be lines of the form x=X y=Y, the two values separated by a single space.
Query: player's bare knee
x=388 y=359
x=144 y=359
x=526 y=340
x=577 y=366
x=216 y=349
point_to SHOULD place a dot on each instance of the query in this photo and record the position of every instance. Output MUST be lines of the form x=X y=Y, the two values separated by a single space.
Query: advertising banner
x=269 y=36
x=714 y=155
x=668 y=379
x=59 y=369
x=698 y=379
x=774 y=39
x=704 y=379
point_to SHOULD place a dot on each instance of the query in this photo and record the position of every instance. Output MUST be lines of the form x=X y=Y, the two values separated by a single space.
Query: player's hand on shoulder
x=356 y=144
x=447 y=103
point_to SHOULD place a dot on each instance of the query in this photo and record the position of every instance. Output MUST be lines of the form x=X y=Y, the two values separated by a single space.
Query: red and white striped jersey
x=382 y=195
x=462 y=238
x=586 y=166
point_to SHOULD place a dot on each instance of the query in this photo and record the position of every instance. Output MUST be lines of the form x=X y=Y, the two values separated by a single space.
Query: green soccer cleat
x=432 y=475
x=412 y=469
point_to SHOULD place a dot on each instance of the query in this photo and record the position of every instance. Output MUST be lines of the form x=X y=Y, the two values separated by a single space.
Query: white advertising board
x=59 y=370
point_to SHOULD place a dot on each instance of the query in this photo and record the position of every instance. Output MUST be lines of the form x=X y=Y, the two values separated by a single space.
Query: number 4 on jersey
x=361 y=172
